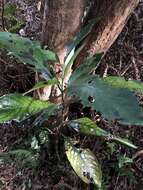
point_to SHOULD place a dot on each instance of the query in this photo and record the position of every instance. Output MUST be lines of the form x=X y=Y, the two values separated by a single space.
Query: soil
x=125 y=58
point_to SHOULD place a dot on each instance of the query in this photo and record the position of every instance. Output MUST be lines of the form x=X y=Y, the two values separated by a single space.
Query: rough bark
x=114 y=15
x=62 y=19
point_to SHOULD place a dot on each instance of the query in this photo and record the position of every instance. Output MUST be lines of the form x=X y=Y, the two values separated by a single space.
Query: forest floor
x=125 y=58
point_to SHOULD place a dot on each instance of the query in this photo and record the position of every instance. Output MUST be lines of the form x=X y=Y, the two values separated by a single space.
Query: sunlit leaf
x=27 y=51
x=119 y=82
x=18 y=107
x=88 y=127
x=84 y=163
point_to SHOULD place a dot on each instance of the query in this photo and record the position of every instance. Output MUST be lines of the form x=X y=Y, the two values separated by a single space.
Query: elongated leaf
x=113 y=103
x=18 y=107
x=68 y=65
x=88 y=127
x=124 y=141
x=119 y=82
x=84 y=69
x=27 y=51
x=84 y=163
x=72 y=51
x=43 y=84
x=81 y=35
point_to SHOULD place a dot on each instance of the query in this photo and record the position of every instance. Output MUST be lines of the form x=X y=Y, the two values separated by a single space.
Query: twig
x=116 y=183
x=136 y=69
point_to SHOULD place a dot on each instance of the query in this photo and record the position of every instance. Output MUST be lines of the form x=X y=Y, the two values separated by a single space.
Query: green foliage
x=12 y=24
x=45 y=114
x=43 y=84
x=28 y=52
x=72 y=51
x=18 y=107
x=88 y=127
x=23 y=158
x=111 y=96
x=84 y=163
x=85 y=69
x=124 y=160
x=113 y=103
x=9 y=9
x=79 y=38
x=44 y=137
x=119 y=82
x=35 y=144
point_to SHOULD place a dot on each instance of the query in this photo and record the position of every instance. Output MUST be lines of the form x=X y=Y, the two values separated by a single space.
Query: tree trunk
x=63 y=18
x=114 y=15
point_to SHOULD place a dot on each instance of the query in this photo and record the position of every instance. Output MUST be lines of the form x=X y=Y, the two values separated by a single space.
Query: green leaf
x=88 y=127
x=84 y=163
x=9 y=9
x=21 y=157
x=119 y=82
x=124 y=141
x=18 y=107
x=72 y=52
x=69 y=63
x=113 y=103
x=43 y=84
x=27 y=51
x=122 y=160
x=86 y=68
x=45 y=114
x=16 y=27
x=44 y=137
x=81 y=35
x=35 y=144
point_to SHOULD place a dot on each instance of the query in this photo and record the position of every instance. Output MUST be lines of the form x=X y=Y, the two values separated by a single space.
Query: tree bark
x=114 y=15
x=63 y=18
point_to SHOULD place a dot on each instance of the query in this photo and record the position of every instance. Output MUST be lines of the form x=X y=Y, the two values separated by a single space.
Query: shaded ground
x=125 y=58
